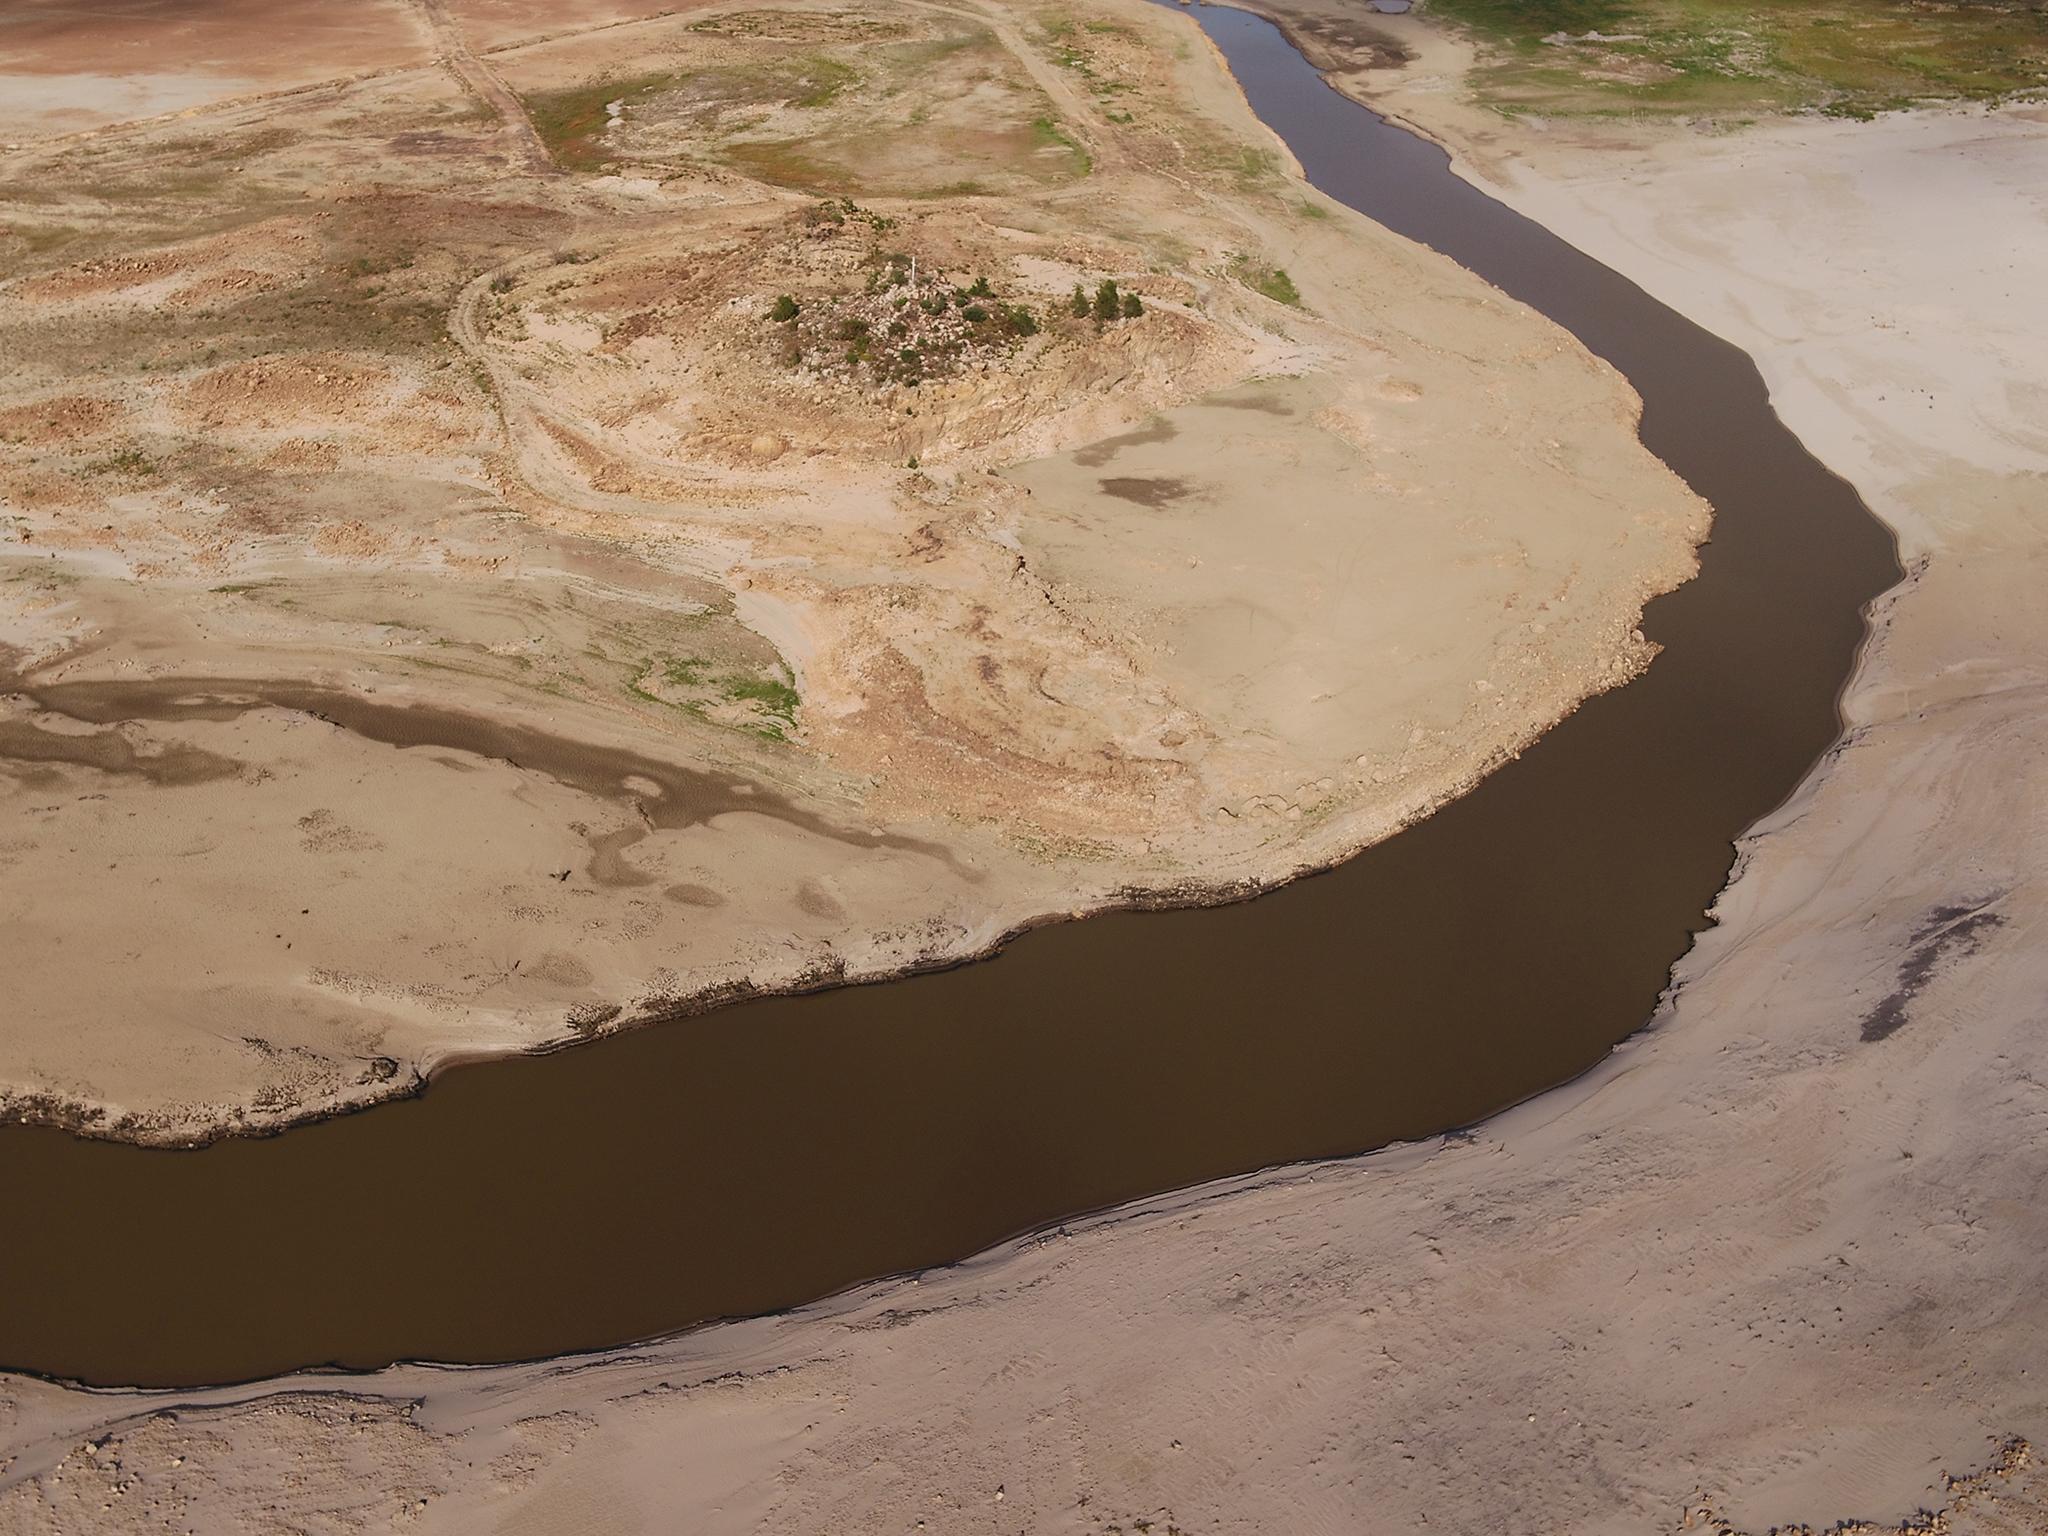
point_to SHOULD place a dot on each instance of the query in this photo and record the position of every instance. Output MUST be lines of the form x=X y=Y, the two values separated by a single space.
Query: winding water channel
x=780 y=1150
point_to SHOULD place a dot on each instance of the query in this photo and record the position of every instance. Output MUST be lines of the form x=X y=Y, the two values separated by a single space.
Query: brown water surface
x=780 y=1150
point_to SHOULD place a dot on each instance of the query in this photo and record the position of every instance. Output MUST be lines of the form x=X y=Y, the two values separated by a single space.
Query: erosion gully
x=780 y=1150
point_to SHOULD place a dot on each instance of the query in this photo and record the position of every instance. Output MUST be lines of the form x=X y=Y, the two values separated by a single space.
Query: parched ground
x=445 y=609
x=1774 y=1266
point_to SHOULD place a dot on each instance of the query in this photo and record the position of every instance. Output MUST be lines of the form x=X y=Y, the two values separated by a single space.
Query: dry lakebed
x=542 y=547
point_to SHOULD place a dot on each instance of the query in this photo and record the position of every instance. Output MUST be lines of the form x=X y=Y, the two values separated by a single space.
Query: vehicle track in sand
x=535 y=456
x=482 y=81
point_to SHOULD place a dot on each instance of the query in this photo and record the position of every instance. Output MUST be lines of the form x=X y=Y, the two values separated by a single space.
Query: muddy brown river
x=777 y=1151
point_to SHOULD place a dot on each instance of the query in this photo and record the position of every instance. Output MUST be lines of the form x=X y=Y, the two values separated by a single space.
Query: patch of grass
x=787 y=163
x=1273 y=282
x=773 y=695
x=1727 y=58
x=42 y=239
x=129 y=462
x=1257 y=168
x=762 y=704
x=319 y=315
x=1047 y=134
x=821 y=79
x=572 y=123
x=381 y=263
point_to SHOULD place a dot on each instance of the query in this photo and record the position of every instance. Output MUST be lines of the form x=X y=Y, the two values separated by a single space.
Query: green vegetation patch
x=1069 y=46
x=907 y=323
x=790 y=163
x=1047 y=134
x=820 y=79
x=129 y=463
x=761 y=702
x=572 y=123
x=1273 y=282
x=1731 y=58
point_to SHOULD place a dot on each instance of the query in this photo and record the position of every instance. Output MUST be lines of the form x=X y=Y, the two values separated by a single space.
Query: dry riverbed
x=1776 y=1261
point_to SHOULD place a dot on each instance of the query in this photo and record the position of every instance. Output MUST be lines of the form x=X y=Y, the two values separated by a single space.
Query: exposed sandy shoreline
x=598 y=512
x=1780 y=1255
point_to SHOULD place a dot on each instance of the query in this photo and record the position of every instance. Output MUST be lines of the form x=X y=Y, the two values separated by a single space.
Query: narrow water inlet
x=779 y=1150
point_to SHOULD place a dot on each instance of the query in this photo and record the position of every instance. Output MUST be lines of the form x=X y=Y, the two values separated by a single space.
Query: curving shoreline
x=1840 y=1326
x=1574 y=915
x=287 y=1019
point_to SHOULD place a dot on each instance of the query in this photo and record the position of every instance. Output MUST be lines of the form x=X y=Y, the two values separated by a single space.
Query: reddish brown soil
x=271 y=42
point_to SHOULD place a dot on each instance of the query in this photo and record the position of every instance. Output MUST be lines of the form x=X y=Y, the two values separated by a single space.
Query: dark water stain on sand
x=609 y=866
x=1095 y=455
x=664 y=794
x=113 y=751
x=694 y=895
x=1145 y=490
x=786 y=1148
x=1251 y=398
x=1946 y=936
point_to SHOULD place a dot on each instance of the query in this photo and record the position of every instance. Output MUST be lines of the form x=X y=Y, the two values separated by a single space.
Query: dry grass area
x=863 y=103
x=1741 y=58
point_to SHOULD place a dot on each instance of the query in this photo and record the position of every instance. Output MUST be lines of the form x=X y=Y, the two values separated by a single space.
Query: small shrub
x=1278 y=286
x=981 y=289
x=1078 y=304
x=1273 y=282
x=974 y=314
x=1020 y=321
x=1107 y=303
x=785 y=310
x=1133 y=306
